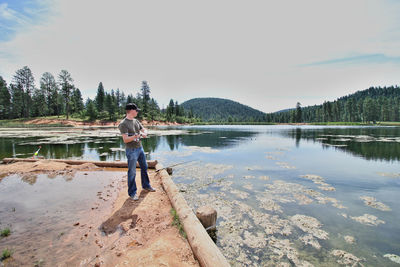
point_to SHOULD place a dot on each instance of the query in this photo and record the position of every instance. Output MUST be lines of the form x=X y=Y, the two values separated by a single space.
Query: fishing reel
x=137 y=139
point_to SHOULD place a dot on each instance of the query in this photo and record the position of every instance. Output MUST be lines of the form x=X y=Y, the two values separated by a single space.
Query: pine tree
x=39 y=106
x=77 y=101
x=65 y=81
x=370 y=110
x=49 y=86
x=298 y=112
x=23 y=79
x=5 y=100
x=100 y=97
x=154 y=109
x=17 y=102
x=129 y=99
x=170 y=112
x=122 y=103
x=91 y=110
x=110 y=107
x=145 y=97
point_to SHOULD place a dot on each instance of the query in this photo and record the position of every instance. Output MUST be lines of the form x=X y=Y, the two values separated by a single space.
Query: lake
x=285 y=195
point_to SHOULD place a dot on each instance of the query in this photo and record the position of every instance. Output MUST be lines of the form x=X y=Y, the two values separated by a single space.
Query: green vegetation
x=367 y=106
x=21 y=99
x=6 y=254
x=5 y=232
x=223 y=110
x=176 y=222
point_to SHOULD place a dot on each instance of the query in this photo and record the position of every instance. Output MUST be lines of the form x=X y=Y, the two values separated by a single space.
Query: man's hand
x=143 y=133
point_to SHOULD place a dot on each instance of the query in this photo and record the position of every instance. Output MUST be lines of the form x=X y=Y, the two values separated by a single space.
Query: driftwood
x=204 y=249
x=112 y=164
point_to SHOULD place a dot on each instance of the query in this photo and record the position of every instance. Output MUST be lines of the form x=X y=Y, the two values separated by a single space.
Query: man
x=132 y=130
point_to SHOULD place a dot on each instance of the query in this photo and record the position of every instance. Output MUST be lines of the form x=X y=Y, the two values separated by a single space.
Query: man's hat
x=133 y=106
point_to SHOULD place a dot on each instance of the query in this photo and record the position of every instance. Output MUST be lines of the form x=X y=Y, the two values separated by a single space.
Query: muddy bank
x=30 y=170
x=87 y=219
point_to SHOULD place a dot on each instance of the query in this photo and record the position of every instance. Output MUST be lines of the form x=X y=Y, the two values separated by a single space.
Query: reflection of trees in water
x=81 y=146
x=172 y=141
x=374 y=150
x=60 y=151
x=371 y=150
x=214 y=138
x=10 y=147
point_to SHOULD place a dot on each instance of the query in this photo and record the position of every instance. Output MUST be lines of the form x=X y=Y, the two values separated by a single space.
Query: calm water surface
x=284 y=194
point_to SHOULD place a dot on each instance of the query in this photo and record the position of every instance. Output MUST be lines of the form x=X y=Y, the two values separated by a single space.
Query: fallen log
x=204 y=249
x=111 y=164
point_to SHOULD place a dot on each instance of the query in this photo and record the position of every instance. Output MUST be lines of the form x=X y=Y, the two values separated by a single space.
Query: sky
x=268 y=55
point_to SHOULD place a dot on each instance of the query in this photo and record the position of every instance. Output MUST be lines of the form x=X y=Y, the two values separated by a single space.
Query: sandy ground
x=97 y=123
x=149 y=238
x=115 y=231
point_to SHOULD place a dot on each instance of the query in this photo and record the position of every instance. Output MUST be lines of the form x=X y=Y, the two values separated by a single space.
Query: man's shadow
x=123 y=214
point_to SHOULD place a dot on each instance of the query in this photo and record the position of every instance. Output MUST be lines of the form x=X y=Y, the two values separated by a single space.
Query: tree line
x=223 y=110
x=370 y=105
x=58 y=96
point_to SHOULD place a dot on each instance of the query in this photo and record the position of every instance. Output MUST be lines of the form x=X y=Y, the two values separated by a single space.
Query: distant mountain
x=284 y=110
x=219 y=109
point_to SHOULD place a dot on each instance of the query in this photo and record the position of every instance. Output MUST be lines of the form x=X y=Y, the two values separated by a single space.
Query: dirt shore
x=114 y=230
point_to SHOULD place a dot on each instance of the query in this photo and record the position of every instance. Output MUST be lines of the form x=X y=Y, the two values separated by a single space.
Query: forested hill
x=372 y=104
x=222 y=110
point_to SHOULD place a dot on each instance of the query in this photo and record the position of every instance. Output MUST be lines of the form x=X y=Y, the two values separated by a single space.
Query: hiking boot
x=150 y=189
x=135 y=197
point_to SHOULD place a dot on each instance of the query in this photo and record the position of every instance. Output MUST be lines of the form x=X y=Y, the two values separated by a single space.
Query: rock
x=207 y=216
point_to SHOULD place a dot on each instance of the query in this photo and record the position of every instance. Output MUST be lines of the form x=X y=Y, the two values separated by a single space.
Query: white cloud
x=250 y=52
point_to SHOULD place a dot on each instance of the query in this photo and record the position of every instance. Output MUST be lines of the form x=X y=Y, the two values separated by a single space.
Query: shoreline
x=42 y=122
x=58 y=122
x=135 y=230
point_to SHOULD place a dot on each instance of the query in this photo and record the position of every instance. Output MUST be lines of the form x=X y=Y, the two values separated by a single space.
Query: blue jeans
x=133 y=155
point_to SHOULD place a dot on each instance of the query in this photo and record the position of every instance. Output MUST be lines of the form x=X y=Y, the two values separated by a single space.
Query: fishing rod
x=175 y=165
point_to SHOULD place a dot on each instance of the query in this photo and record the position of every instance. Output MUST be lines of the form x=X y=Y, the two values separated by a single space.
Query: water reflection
x=273 y=213
x=378 y=143
x=218 y=138
x=109 y=146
